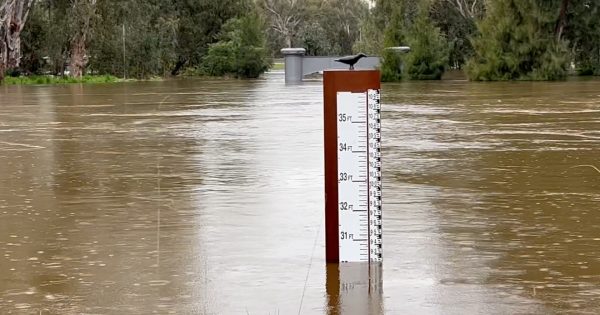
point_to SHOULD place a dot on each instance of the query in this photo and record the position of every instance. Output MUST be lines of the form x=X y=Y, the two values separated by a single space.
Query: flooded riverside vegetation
x=206 y=197
x=492 y=40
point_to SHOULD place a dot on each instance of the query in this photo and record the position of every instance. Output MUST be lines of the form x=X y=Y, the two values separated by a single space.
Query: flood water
x=206 y=197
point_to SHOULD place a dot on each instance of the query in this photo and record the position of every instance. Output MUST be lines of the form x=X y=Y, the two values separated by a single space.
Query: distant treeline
x=491 y=40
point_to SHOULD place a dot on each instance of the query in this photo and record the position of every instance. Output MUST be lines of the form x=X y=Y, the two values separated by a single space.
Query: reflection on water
x=354 y=288
x=206 y=197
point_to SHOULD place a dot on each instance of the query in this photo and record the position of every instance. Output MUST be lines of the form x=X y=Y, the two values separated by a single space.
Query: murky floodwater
x=195 y=197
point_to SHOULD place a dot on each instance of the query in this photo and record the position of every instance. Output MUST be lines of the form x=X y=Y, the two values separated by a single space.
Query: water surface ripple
x=206 y=197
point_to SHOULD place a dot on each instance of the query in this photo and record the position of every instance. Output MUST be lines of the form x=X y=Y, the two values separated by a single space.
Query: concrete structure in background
x=297 y=65
x=293 y=60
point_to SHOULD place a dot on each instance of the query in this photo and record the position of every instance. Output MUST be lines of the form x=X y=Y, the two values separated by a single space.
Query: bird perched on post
x=351 y=60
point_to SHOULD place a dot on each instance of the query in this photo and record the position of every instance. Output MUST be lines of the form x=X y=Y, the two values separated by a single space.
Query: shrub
x=241 y=50
x=391 y=66
x=517 y=42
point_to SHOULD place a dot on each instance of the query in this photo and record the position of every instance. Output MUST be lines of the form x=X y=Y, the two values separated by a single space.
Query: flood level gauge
x=353 y=126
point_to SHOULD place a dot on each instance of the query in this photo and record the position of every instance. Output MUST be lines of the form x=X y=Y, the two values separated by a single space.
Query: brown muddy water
x=206 y=197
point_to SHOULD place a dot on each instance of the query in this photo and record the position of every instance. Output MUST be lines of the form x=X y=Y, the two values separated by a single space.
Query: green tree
x=57 y=40
x=408 y=23
x=322 y=27
x=517 y=41
x=341 y=20
x=388 y=24
x=314 y=39
x=428 y=56
x=583 y=34
x=457 y=21
x=395 y=18
x=285 y=17
x=60 y=31
x=34 y=42
x=370 y=40
x=134 y=38
x=200 y=21
x=240 y=52
x=83 y=14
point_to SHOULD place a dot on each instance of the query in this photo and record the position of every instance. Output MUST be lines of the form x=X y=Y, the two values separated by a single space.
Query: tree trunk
x=180 y=63
x=2 y=71
x=78 y=56
x=84 y=12
x=13 y=15
x=562 y=20
x=3 y=57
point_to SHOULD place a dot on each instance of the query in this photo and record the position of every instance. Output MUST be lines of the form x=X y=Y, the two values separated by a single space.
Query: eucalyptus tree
x=134 y=38
x=285 y=17
x=472 y=10
x=60 y=33
x=313 y=37
x=13 y=16
x=83 y=13
x=341 y=20
x=457 y=20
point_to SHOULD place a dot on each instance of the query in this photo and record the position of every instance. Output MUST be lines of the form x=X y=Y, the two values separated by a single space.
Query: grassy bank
x=47 y=79
x=278 y=66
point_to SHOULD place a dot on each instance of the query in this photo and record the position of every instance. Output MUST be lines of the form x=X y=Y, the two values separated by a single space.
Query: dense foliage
x=428 y=57
x=240 y=52
x=499 y=40
x=583 y=35
x=127 y=38
x=517 y=41
x=409 y=23
x=496 y=40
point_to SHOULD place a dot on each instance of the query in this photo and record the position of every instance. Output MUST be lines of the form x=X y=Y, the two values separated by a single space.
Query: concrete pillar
x=293 y=64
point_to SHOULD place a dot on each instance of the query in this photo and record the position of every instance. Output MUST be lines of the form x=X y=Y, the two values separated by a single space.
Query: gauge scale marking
x=359 y=176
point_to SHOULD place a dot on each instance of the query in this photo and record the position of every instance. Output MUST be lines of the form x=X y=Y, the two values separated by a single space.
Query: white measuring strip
x=359 y=176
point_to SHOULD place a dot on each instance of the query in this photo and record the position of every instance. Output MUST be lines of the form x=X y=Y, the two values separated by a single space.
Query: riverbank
x=94 y=79
x=49 y=79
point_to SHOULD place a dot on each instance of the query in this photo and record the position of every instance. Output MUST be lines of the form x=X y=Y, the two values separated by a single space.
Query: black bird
x=351 y=60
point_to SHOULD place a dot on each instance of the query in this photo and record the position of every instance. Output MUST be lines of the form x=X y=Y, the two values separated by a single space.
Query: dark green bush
x=518 y=44
x=240 y=52
x=391 y=66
